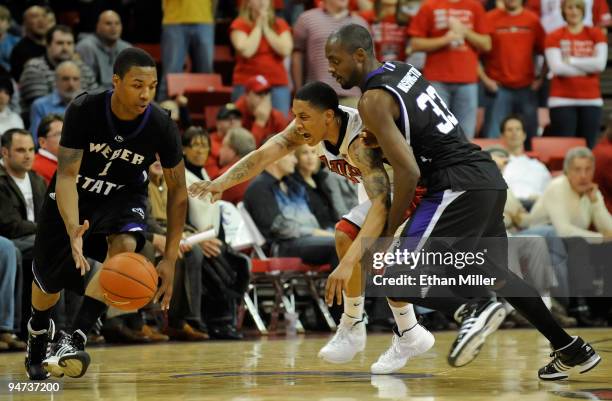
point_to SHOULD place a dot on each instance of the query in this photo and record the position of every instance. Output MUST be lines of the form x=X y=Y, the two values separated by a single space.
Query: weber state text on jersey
x=445 y=157
x=336 y=157
x=117 y=154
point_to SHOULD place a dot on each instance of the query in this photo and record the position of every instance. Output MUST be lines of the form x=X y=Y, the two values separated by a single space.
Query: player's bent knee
x=41 y=300
x=119 y=243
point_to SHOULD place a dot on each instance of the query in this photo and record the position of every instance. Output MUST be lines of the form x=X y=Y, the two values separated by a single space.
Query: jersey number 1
x=103 y=173
x=431 y=98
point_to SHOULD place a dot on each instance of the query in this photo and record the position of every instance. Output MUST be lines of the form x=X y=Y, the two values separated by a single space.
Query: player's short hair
x=7 y=137
x=241 y=141
x=517 y=117
x=352 y=37
x=131 y=57
x=320 y=95
x=193 y=132
x=45 y=124
x=57 y=28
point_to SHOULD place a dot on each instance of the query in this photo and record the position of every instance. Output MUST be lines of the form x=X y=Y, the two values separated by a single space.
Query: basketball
x=128 y=280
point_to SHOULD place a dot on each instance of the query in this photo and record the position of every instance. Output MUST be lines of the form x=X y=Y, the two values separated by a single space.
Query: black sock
x=90 y=311
x=40 y=319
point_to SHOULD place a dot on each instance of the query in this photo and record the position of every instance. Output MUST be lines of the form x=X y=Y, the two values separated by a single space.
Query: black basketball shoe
x=37 y=350
x=477 y=320
x=67 y=355
x=578 y=356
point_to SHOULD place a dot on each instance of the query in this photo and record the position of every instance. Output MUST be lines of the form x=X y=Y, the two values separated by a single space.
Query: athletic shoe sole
x=72 y=365
x=590 y=364
x=338 y=361
x=470 y=345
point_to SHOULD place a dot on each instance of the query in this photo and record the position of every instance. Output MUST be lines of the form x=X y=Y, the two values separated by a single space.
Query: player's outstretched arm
x=376 y=182
x=176 y=210
x=250 y=165
x=67 y=197
x=378 y=112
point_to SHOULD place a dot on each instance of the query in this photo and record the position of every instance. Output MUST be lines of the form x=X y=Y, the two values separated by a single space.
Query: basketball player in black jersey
x=95 y=206
x=466 y=194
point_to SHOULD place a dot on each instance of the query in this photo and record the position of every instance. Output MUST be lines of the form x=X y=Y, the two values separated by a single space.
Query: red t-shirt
x=212 y=163
x=575 y=45
x=515 y=39
x=597 y=13
x=390 y=39
x=603 y=169
x=44 y=167
x=450 y=64
x=276 y=123
x=265 y=61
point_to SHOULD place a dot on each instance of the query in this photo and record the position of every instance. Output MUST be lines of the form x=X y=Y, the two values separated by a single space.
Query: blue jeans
x=281 y=97
x=462 y=101
x=179 y=39
x=8 y=274
x=508 y=101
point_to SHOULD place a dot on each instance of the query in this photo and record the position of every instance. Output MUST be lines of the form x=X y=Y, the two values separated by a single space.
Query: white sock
x=509 y=308
x=404 y=317
x=353 y=306
x=547 y=300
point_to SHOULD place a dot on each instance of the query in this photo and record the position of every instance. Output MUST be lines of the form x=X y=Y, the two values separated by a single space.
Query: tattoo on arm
x=69 y=160
x=242 y=170
x=370 y=163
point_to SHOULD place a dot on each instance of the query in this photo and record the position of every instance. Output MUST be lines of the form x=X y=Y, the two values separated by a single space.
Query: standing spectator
x=576 y=54
x=238 y=142
x=7 y=40
x=227 y=117
x=38 y=77
x=262 y=41
x=452 y=33
x=526 y=177
x=603 y=165
x=310 y=34
x=100 y=50
x=67 y=86
x=517 y=37
x=8 y=118
x=188 y=27
x=258 y=116
x=9 y=272
x=551 y=16
x=389 y=37
x=49 y=134
x=33 y=44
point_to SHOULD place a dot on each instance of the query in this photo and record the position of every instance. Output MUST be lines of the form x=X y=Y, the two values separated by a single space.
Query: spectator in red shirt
x=597 y=13
x=238 y=142
x=49 y=134
x=389 y=37
x=517 y=36
x=576 y=54
x=452 y=33
x=603 y=165
x=227 y=117
x=258 y=116
x=262 y=41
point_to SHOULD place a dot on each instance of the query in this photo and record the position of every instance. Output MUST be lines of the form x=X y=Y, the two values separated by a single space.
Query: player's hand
x=159 y=243
x=211 y=248
x=76 y=243
x=202 y=188
x=336 y=282
x=165 y=269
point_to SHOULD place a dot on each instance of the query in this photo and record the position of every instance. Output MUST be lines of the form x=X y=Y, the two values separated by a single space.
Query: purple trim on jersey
x=109 y=119
x=420 y=220
x=130 y=227
x=379 y=70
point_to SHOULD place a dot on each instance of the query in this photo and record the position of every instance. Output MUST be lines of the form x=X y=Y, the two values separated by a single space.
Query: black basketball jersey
x=117 y=155
x=445 y=157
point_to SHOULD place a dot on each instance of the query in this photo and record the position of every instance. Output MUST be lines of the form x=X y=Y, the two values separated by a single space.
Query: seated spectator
x=38 y=77
x=8 y=280
x=572 y=203
x=227 y=117
x=100 y=50
x=279 y=208
x=49 y=134
x=237 y=143
x=67 y=86
x=8 y=118
x=527 y=177
x=7 y=40
x=309 y=174
x=33 y=43
x=603 y=165
x=576 y=55
x=258 y=116
x=262 y=41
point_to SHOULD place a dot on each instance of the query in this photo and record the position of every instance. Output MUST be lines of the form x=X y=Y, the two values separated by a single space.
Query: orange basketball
x=128 y=281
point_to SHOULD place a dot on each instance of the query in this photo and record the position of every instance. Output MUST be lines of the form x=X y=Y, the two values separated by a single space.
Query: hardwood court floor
x=288 y=369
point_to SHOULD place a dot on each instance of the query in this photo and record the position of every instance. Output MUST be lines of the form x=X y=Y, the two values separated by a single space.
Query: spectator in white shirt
x=526 y=177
